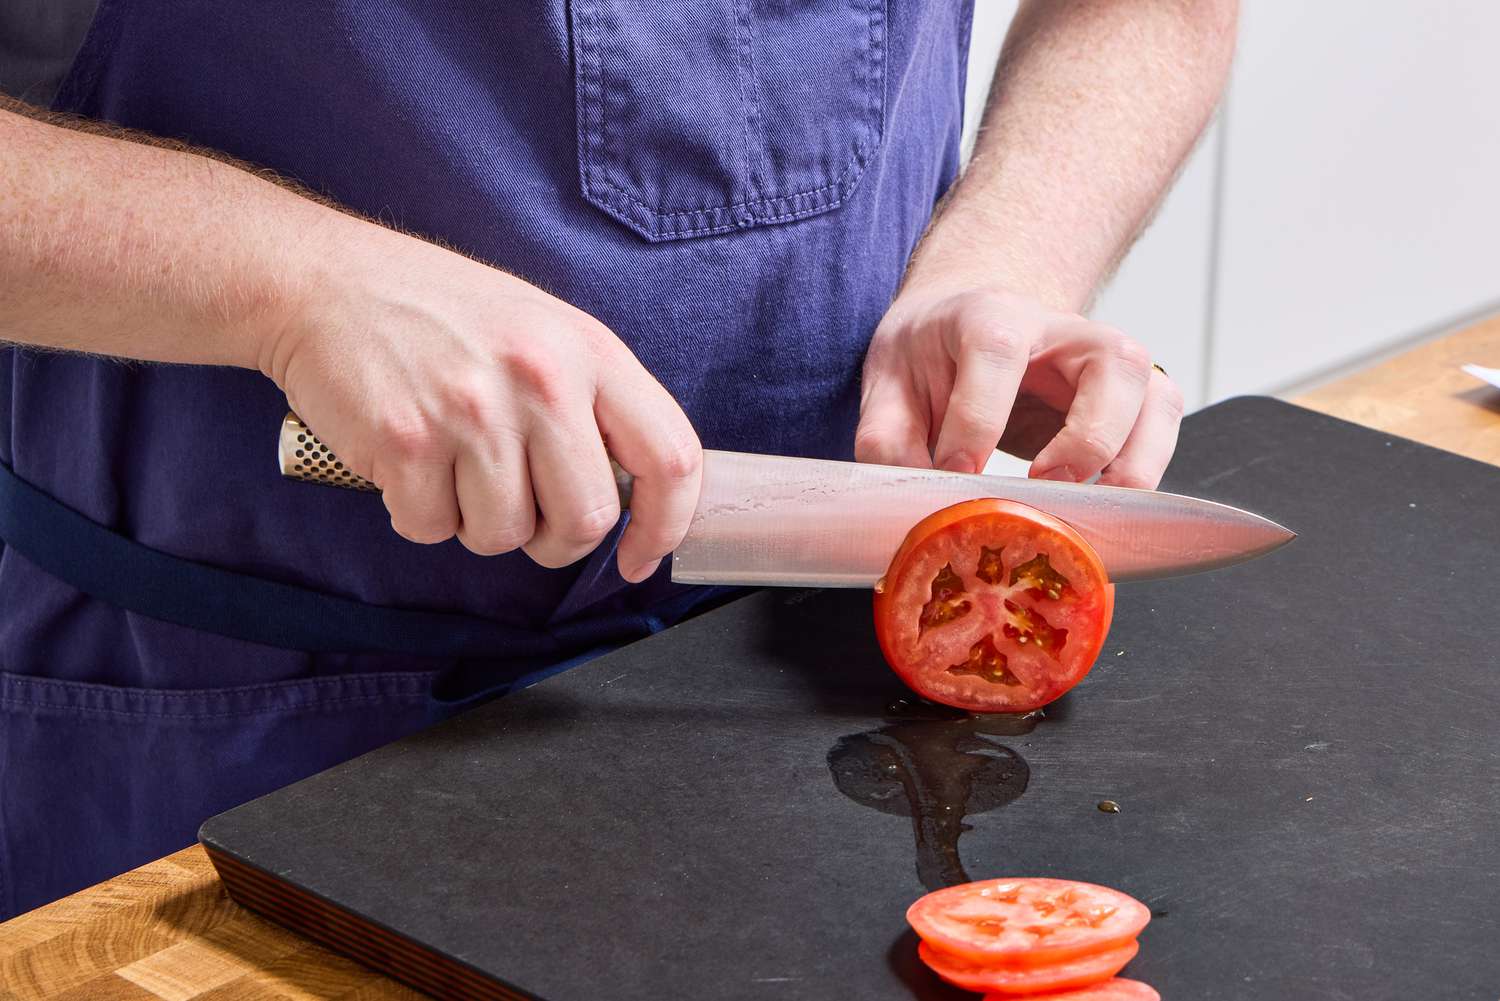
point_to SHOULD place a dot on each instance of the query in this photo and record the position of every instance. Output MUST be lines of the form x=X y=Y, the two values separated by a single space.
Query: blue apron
x=733 y=186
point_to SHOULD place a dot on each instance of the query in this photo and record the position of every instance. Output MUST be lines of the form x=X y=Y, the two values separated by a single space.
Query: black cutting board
x=1305 y=751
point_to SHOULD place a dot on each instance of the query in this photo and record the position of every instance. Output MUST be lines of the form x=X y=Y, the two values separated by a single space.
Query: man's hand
x=1094 y=106
x=478 y=403
x=951 y=374
x=480 y=406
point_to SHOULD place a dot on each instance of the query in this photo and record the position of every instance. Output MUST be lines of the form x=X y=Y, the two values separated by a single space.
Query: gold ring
x=1160 y=369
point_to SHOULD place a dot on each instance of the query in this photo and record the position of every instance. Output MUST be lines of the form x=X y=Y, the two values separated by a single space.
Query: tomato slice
x=993 y=606
x=1114 y=989
x=1080 y=971
x=1026 y=921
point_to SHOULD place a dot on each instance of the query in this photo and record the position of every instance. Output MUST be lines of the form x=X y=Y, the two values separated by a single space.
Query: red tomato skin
x=889 y=610
x=1068 y=974
x=926 y=918
x=1114 y=989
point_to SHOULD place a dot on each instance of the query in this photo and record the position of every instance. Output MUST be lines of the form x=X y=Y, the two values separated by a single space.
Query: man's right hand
x=481 y=406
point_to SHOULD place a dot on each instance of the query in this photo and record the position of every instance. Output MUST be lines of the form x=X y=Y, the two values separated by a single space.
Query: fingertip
x=1136 y=479
x=1074 y=457
x=960 y=462
x=640 y=573
x=1061 y=474
x=893 y=428
x=885 y=452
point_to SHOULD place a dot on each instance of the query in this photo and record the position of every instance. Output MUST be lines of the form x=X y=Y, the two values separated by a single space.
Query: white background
x=1346 y=201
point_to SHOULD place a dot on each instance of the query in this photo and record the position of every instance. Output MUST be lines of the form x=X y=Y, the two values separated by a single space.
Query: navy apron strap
x=108 y=566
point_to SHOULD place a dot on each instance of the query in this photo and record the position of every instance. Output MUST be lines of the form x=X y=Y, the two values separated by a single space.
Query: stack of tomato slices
x=1051 y=938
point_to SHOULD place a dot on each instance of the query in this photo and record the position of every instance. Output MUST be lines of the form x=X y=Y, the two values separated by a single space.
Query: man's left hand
x=952 y=374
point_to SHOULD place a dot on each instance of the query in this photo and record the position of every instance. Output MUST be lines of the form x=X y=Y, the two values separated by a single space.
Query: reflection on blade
x=807 y=522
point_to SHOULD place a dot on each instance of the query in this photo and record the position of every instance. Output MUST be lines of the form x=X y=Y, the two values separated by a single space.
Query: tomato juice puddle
x=937 y=766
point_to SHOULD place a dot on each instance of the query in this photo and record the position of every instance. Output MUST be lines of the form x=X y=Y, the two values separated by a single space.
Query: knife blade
x=769 y=520
x=772 y=520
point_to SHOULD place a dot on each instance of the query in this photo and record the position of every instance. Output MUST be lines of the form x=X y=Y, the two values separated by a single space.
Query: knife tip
x=1277 y=535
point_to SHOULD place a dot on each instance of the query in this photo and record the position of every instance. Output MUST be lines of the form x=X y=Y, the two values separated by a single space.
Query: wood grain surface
x=1423 y=395
x=168 y=932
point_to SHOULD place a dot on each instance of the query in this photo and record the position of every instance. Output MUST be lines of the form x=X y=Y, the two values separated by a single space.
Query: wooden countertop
x=1422 y=395
x=168 y=932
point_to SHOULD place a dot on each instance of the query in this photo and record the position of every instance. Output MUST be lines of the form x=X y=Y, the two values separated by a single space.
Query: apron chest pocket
x=707 y=116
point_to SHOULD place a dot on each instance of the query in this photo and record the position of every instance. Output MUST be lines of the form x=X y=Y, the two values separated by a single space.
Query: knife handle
x=304 y=457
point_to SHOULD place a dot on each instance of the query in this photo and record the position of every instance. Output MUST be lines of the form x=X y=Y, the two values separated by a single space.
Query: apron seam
x=750 y=99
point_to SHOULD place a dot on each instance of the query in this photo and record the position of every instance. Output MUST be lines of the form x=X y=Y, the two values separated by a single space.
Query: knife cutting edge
x=769 y=520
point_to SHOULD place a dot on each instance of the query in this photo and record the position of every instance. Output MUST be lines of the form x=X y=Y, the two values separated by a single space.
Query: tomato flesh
x=1114 y=989
x=1028 y=922
x=993 y=606
x=1080 y=971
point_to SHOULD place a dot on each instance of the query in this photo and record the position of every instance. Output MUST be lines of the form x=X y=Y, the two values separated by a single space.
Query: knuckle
x=662 y=536
x=994 y=338
x=1172 y=403
x=872 y=443
x=1096 y=446
x=471 y=398
x=407 y=439
x=537 y=373
x=973 y=303
x=681 y=457
x=970 y=436
x=1104 y=333
x=654 y=546
x=587 y=528
x=1129 y=354
x=976 y=416
x=1129 y=476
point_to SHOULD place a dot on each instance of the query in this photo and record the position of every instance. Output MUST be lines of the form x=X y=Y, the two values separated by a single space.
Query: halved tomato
x=1026 y=922
x=1079 y=971
x=993 y=606
x=1114 y=989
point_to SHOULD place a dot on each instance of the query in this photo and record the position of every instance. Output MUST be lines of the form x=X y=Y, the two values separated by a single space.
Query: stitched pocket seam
x=657 y=223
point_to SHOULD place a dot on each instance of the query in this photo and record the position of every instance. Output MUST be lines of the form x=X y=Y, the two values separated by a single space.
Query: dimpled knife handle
x=304 y=457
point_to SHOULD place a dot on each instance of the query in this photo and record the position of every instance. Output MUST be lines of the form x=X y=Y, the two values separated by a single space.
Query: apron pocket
x=708 y=116
x=96 y=779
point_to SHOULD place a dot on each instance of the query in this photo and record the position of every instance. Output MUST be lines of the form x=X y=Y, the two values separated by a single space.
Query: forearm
x=144 y=251
x=1094 y=106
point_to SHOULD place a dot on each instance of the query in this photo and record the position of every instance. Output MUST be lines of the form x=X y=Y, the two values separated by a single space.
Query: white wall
x=1357 y=190
x=1361 y=186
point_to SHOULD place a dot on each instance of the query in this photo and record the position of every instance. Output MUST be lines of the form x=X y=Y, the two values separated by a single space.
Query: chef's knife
x=773 y=520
